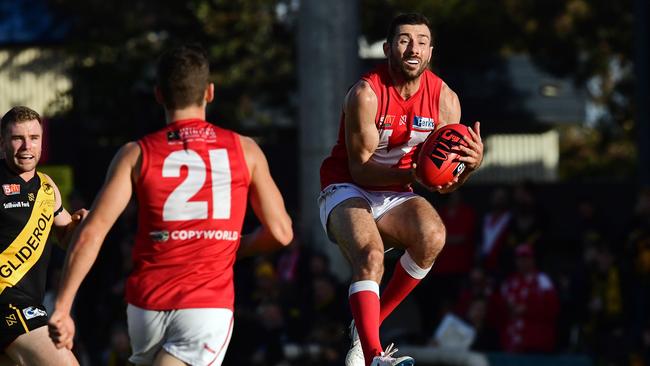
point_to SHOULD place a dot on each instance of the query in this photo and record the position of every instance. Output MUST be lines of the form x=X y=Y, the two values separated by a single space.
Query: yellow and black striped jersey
x=26 y=218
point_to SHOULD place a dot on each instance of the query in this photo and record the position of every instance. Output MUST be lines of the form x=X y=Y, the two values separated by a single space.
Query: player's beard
x=397 y=65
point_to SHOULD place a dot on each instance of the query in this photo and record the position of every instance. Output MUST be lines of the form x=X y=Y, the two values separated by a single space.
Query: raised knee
x=437 y=238
x=432 y=244
x=370 y=263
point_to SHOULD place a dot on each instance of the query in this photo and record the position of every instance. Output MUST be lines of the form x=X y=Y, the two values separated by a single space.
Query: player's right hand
x=448 y=188
x=416 y=179
x=61 y=329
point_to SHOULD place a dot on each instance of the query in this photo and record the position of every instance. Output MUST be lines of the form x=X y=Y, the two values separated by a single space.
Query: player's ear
x=386 y=49
x=209 y=93
x=158 y=94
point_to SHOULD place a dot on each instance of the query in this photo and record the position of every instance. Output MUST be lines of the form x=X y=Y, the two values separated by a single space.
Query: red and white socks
x=364 y=303
x=369 y=312
x=406 y=276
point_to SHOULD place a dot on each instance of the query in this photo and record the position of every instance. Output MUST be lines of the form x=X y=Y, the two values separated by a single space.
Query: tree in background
x=114 y=45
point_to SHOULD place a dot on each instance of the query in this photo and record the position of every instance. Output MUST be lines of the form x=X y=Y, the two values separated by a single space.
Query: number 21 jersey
x=192 y=193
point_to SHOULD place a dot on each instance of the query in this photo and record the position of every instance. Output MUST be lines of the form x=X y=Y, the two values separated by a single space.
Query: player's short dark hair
x=182 y=75
x=408 y=18
x=18 y=114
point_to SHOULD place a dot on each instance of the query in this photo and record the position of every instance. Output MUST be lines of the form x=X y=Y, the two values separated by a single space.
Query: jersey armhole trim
x=437 y=88
x=144 y=161
x=380 y=99
x=58 y=211
x=240 y=150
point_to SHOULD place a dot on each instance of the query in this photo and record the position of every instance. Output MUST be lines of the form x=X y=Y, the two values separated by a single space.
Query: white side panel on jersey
x=392 y=156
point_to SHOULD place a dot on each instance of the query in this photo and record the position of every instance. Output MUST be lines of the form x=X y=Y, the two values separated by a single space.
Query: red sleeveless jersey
x=401 y=125
x=192 y=193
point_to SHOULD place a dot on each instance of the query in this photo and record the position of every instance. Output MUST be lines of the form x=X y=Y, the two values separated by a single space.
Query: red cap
x=524 y=250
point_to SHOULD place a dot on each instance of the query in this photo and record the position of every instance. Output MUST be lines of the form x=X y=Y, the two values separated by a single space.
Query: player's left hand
x=472 y=154
x=61 y=329
x=75 y=220
x=78 y=216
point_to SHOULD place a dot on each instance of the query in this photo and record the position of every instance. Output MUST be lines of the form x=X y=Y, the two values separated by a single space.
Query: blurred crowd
x=503 y=272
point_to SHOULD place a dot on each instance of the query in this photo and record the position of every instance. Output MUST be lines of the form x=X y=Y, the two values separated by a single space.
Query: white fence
x=511 y=158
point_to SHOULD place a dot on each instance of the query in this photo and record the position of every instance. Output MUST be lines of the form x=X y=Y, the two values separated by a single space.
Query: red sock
x=400 y=285
x=364 y=304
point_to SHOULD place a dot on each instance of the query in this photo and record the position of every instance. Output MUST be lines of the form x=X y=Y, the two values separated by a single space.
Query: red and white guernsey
x=192 y=193
x=401 y=124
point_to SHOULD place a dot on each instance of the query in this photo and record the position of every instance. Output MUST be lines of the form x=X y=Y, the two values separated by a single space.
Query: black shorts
x=18 y=319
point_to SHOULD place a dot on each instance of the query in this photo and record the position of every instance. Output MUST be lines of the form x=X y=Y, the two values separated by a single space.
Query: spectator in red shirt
x=530 y=305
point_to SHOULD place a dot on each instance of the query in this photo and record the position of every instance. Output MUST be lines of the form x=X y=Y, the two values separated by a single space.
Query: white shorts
x=195 y=336
x=380 y=202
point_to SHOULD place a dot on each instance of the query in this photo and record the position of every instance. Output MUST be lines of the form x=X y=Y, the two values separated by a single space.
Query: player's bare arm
x=448 y=106
x=472 y=155
x=267 y=203
x=64 y=222
x=86 y=242
x=362 y=139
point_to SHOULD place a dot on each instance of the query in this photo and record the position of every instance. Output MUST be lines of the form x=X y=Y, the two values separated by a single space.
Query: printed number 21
x=178 y=206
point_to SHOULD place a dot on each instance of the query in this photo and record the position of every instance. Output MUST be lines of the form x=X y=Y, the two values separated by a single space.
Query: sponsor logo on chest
x=386 y=121
x=11 y=263
x=423 y=123
x=11 y=189
x=19 y=204
x=419 y=122
x=390 y=121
